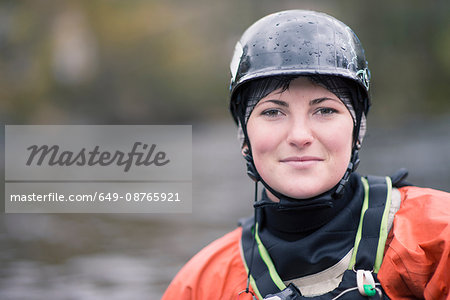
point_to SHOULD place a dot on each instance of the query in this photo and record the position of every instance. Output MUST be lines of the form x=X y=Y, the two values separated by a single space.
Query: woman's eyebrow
x=277 y=102
x=319 y=100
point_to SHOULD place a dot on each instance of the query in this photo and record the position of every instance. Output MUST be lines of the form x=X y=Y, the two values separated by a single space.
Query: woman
x=299 y=94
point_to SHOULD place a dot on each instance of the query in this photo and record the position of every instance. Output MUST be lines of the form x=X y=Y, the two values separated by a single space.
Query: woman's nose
x=300 y=133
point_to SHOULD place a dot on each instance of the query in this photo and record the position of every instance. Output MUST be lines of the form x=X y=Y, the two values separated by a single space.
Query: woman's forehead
x=301 y=87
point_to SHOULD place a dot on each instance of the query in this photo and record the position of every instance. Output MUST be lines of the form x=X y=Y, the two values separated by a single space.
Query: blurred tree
x=167 y=61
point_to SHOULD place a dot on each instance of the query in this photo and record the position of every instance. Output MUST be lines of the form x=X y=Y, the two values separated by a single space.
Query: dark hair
x=257 y=89
x=261 y=87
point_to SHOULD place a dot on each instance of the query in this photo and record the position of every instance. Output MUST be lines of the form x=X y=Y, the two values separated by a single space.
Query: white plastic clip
x=366 y=283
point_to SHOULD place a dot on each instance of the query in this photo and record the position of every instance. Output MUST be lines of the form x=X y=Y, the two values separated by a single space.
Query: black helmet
x=298 y=42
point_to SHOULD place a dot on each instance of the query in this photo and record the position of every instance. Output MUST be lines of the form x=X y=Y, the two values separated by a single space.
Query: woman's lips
x=301 y=161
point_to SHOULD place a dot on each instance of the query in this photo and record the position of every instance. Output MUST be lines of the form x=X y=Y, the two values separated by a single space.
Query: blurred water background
x=166 y=62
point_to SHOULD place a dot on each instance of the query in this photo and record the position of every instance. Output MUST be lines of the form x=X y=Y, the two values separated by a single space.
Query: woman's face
x=301 y=139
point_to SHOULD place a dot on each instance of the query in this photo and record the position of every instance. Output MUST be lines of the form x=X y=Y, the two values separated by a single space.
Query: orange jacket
x=416 y=263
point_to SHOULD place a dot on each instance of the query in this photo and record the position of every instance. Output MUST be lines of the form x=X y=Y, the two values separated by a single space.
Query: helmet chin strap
x=352 y=166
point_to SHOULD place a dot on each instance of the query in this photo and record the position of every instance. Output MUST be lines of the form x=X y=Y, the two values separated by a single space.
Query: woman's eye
x=326 y=111
x=271 y=113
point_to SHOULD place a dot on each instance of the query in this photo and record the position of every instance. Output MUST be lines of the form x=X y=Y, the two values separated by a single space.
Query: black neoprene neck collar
x=294 y=221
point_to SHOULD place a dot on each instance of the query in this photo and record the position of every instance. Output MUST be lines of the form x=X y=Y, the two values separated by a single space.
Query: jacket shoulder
x=417 y=260
x=216 y=272
x=414 y=193
x=424 y=215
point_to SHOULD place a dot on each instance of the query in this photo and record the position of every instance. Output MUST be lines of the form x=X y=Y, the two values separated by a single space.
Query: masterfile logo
x=107 y=168
x=54 y=156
